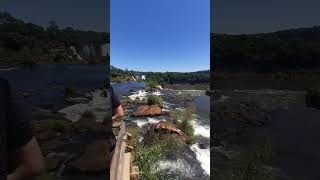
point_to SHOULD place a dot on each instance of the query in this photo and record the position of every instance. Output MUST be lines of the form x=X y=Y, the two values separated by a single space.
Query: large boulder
x=146 y=110
x=93 y=159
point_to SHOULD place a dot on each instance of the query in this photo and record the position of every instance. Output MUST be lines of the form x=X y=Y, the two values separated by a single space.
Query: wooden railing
x=121 y=164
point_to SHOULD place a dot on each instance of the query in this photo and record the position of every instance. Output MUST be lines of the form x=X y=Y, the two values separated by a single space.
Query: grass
x=152 y=85
x=147 y=156
x=185 y=124
x=154 y=100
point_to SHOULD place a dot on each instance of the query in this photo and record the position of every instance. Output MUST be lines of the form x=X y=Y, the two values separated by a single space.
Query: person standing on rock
x=20 y=154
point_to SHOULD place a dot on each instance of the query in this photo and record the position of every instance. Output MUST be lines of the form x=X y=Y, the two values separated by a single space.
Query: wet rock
x=53 y=160
x=159 y=87
x=146 y=110
x=93 y=159
x=202 y=146
x=96 y=105
x=167 y=127
x=245 y=113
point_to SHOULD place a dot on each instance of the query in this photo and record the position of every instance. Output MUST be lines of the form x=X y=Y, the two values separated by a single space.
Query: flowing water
x=293 y=129
x=195 y=162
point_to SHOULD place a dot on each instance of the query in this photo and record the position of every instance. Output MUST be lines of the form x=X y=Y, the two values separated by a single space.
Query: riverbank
x=66 y=105
x=263 y=133
x=172 y=156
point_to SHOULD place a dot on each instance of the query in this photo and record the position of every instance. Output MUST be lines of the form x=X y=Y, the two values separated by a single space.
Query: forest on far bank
x=295 y=50
x=198 y=77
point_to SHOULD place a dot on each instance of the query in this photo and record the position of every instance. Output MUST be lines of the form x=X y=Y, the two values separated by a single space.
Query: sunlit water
x=184 y=166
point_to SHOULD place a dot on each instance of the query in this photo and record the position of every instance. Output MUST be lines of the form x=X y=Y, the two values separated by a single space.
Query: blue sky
x=79 y=14
x=160 y=35
x=259 y=16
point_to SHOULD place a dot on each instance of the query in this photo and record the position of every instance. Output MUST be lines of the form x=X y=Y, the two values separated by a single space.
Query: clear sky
x=256 y=16
x=160 y=35
x=79 y=14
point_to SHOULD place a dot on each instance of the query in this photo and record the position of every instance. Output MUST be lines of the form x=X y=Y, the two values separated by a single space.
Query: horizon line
x=160 y=71
x=267 y=32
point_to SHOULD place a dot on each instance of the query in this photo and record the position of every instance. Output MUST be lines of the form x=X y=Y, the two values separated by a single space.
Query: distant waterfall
x=105 y=49
x=92 y=51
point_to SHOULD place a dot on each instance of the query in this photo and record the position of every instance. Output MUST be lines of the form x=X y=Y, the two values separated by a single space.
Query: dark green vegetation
x=288 y=50
x=27 y=43
x=119 y=75
x=148 y=155
x=185 y=124
x=154 y=100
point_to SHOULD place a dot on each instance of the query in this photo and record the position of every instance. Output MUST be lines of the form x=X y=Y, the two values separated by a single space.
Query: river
x=195 y=164
x=48 y=81
x=293 y=129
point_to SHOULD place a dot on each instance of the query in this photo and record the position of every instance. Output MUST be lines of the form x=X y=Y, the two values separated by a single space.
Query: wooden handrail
x=115 y=162
x=121 y=163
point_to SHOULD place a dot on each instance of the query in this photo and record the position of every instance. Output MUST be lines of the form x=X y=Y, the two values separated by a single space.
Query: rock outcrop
x=146 y=110
x=244 y=113
x=168 y=127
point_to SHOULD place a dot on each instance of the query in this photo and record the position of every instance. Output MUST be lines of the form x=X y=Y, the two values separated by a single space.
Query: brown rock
x=166 y=126
x=146 y=110
x=93 y=159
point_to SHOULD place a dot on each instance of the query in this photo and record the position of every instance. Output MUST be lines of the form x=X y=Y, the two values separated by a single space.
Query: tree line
x=19 y=37
x=287 y=50
x=165 y=77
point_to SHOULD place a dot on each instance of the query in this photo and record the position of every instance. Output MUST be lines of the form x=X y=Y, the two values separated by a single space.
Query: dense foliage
x=18 y=38
x=163 y=77
x=154 y=100
x=295 y=49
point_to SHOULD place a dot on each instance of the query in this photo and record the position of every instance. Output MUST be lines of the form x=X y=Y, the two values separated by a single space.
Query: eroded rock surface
x=146 y=110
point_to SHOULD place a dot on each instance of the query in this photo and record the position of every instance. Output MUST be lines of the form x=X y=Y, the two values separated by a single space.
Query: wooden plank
x=126 y=166
x=121 y=159
x=134 y=175
x=116 y=154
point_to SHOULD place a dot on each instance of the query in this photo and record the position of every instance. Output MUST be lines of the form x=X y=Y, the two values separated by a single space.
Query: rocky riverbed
x=263 y=134
x=186 y=160
x=72 y=139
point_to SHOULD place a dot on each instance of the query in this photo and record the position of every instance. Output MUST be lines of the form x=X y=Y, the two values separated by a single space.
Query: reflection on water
x=49 y=81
